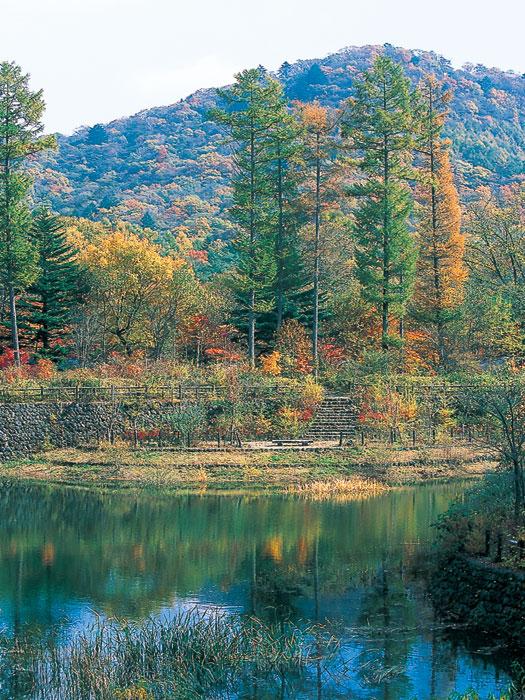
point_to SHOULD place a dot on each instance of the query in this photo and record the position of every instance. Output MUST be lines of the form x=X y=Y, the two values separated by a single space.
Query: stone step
x=335 y=415
x=333 y=429
x=325 y=416
x=336 y=407
x=327 y=436
x=327 y=421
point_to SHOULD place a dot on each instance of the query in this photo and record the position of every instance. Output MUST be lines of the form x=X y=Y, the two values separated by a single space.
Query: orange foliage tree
x=294 y=348
x=441 y=271
x=385 y=406
x=270 y=363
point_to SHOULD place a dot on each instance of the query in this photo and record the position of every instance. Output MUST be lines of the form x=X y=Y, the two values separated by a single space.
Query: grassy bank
x=280 y=470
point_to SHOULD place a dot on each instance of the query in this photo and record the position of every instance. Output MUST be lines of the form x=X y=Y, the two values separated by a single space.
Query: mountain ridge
x=167 y=164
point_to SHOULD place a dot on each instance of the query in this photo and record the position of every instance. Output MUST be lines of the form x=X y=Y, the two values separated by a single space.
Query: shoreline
x=257 y=470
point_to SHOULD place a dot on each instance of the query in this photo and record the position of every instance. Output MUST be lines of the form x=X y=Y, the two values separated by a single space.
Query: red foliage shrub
x=7 y=358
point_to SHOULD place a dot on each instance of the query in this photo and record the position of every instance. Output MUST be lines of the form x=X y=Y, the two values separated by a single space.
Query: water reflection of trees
x=130 y=553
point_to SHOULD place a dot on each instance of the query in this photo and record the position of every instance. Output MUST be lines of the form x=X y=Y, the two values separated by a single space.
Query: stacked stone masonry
x=486 y=598
x=26 y=428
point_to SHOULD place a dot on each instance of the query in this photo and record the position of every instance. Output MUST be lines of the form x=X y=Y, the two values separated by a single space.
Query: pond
x=70 y=554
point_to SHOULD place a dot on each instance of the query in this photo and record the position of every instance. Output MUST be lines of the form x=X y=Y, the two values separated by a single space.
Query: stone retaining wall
x=26 y=428
x=487 y=598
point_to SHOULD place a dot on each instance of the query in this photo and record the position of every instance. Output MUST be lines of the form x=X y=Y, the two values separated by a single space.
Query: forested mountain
x=167 y=168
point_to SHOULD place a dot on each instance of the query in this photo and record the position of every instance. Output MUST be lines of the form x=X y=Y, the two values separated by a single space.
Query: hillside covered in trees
x=168 y=168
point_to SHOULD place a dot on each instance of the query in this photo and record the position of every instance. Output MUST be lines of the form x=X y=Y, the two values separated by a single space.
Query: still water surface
x=67 y=555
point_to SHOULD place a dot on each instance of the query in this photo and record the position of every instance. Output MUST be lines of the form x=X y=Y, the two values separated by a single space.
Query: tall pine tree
x=21 y=127
x=379 y=130
x=251 y=111
x=285 y=156
x=441 y=271
x=47 y=311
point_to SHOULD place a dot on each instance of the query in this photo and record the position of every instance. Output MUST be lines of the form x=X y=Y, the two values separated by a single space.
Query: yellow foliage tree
x=495 y=222
x=173 y=306
x=127 y=276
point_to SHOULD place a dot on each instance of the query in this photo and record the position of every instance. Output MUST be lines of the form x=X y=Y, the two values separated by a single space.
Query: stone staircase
x=334 y=415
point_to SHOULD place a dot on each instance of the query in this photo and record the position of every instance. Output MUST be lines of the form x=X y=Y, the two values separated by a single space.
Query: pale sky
x=101 y=59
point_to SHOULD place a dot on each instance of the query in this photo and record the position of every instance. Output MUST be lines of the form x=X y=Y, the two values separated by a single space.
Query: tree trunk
x=14 y=326
x=435 y=257
x=315 y=320
x=279 y=243
x=44 y=331
x=386 y=241
x=519 y=496
x=251 y=312
x=401 y=319
x=251 y=329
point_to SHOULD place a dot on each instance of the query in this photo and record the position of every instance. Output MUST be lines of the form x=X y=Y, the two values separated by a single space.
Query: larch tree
x=378 y=129
x=251 y=110
x=285 y=158
x=21 y=137
x=441 y=270
x=317 y=130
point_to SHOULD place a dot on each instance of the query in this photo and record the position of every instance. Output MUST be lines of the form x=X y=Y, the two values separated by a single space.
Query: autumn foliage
x=350 y=242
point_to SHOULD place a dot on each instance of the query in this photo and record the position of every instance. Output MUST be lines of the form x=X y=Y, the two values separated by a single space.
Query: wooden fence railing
x=422 y=388
x=412 y=436
x=115 y=393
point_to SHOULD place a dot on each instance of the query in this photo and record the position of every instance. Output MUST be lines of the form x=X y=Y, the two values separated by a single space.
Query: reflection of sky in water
x=274 y=556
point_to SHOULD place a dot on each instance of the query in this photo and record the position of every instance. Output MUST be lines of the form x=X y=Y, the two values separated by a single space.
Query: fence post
x=499 y=547
x=341 y=439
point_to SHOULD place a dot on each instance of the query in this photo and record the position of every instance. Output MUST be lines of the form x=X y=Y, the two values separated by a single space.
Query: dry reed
x=355 y=488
